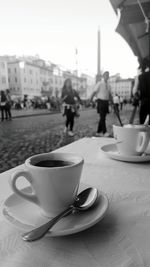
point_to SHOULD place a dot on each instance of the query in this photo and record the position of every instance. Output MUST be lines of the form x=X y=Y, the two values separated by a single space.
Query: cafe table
x=120 y=239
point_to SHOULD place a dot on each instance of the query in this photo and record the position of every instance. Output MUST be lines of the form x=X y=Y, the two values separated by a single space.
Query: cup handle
x=142 y=142
x=31 y=197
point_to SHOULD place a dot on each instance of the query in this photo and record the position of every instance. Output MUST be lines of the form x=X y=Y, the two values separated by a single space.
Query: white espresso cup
x=132 y=139
x=53 y=188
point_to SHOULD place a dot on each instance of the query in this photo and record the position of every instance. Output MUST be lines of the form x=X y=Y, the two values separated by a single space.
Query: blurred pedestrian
x=70 y=98
x=25 y=99
x=48 y=106
x=103 y=92
x=125 y=102
x=8 y=105
x=142 y=89
x=3 y=100
x=121 y=102
x=116 y=103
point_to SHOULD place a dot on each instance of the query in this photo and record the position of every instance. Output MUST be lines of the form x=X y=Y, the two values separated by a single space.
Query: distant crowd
x=51 y=103
x=7 y=104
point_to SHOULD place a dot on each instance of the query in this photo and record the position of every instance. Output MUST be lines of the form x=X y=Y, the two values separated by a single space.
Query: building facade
x=121 y=87
x=3 y=75
x=34 y=77
x=24 y=79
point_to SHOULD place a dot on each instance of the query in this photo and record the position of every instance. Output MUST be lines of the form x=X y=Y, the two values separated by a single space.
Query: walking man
x=102 y=91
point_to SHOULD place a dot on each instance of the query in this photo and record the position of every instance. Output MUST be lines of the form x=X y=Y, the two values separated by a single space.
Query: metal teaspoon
x=82 y=202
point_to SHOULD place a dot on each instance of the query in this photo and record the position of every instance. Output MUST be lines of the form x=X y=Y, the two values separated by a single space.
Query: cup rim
x=73 y=155
x=142 y=128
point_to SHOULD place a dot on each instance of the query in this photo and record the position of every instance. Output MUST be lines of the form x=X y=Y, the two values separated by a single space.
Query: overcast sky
x=54 y=28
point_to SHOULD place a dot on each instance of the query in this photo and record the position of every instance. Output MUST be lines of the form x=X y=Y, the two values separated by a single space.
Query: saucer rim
x=8 y=216
x=145 y=157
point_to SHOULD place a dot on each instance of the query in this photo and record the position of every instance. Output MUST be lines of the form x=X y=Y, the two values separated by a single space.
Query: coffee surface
x=53 y=163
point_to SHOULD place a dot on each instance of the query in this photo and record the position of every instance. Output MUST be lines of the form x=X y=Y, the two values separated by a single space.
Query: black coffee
x=53 y=163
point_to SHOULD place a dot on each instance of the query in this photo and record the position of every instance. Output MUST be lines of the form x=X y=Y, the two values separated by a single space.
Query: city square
x=75 y=133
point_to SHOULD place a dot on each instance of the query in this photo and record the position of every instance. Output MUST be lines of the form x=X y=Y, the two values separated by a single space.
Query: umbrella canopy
x=134 y=24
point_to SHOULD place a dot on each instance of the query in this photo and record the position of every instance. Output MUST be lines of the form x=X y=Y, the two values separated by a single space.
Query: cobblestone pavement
x=23 y=137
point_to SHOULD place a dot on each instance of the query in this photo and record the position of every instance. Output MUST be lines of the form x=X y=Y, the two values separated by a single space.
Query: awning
x=134 y=24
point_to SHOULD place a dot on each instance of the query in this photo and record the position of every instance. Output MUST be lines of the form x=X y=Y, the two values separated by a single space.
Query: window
x=25 y=80
x=31 y=80
x=9 y=70
x=3 y=79
x=9 y=80
x=3 y=65
x=16 y=79
x=15 y=70
x=30 y=72
x=18 y=88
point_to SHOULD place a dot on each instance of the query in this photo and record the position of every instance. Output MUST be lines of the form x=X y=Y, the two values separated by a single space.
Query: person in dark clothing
x=70 y=98
x=8 y=105
x=3 y=101
x=142 y=88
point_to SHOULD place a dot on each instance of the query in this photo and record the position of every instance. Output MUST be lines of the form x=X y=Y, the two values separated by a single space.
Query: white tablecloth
x=121 y=239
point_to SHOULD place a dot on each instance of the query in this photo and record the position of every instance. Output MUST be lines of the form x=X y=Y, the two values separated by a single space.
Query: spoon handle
x=39 y=232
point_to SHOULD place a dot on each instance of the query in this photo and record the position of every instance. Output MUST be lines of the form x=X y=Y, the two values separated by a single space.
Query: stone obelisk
x=98 y=75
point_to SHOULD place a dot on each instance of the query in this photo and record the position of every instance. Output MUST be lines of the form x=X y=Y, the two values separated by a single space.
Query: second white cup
x=132 y=139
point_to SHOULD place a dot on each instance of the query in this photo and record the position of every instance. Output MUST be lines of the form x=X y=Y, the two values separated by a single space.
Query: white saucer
x=111 y=151
x=26 y=216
